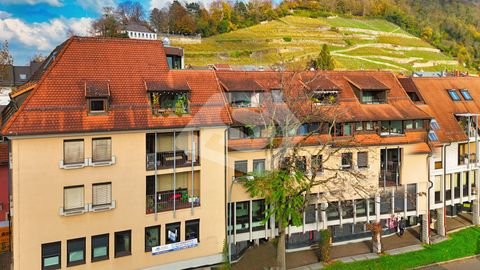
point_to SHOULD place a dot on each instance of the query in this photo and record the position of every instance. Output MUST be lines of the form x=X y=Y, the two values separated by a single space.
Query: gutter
x=429 y=156
x=445 y=185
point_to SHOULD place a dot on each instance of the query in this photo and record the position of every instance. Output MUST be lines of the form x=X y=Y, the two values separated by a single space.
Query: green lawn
x=461 y=244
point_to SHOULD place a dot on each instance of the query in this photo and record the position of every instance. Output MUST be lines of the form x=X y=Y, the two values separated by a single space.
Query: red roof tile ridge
x=44 y=75
x=225 y=101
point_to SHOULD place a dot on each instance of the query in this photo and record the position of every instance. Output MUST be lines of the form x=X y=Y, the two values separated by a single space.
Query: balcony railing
x=168 y=159
x=166 y=200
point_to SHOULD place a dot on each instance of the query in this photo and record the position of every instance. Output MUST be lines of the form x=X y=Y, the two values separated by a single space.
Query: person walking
x=401 y=226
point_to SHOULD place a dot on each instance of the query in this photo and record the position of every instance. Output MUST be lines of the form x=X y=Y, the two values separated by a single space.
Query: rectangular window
x=332 y=211
x=98 y=105
x=317 y=163
x=240 y=168
x=369 y=126
x=347 y=129
x=100 y=247
x=242 y=212
x=277 y=96
x=418 y=124
x=361 y=208
x=123 y=243
x=76 y=251
x=258 y=166
x=358 y=126
x=241 y=99
x=258 y=215
x=23 y=76
x=362 y=159
x=347 y=209
x=152 y=237
x=192 y=229
x=172 y=232
x=453 y=95
x=310 y=214
x=346 y=161
x=465 y=94
x=73 y=198
x=101 y=194
x=408 y=124
x=325 y=97
x=73 y=151
x=301 y=164
x=51 y=255
x=102 y=149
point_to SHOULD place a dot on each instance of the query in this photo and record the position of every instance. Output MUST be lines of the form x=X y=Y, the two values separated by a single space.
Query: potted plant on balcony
x=180 y=105
x=156 y=103
x=150 y=205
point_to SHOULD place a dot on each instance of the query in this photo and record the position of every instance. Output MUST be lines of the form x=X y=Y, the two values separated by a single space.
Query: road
x=473 y=263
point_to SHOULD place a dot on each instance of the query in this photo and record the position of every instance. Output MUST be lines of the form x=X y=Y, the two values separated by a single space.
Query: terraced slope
x=354 y=44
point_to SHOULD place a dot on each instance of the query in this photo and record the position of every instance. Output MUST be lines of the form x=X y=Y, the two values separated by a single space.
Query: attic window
x=453 y=95
x=432 y=136
x=466 y=95
x=97 y=105
x=325 y=97
x=97 y=94
x=434 y=124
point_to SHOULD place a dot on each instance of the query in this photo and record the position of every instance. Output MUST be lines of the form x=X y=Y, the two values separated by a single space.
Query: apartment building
x=113 y=154
x=453 y=102
x=120 y=162
x=384 y=138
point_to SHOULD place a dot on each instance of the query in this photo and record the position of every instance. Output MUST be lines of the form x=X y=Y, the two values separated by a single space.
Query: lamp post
x=229 y=228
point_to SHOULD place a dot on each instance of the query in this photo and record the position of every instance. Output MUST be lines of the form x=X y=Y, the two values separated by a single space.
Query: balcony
x=169 y=200
x=173 y=191
x=174 y=149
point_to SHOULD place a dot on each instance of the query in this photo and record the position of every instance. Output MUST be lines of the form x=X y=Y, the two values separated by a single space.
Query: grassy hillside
x=354 y=44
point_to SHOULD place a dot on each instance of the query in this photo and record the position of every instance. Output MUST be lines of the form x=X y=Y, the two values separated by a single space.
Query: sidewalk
x=263 y=256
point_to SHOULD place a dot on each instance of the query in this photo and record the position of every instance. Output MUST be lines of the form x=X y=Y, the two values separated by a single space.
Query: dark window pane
x=258 y=215
x=51 y=255
x=242 y=211
x=240 y=168
x=362 y=159
x=346 y=161
x=123 y=243
x=347 y=209
x=152 y=237
x=332 y=211
x=192 y=229
x=361 y=208
x=75 y=251
x=172 y=233
x=97 y=105
x=259 y=166
x=310 y=214
x=100 y=247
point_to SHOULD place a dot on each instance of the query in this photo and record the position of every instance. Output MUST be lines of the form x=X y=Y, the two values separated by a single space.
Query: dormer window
x=325 y=97
x=97 y=94
x=453 y=94
x=97 y=105
x=369 y=90
x=245 y=99
x=168 y=97
x=466 y=95
x=243 y=92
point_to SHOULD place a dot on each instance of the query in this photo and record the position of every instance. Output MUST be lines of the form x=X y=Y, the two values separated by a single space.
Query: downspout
x=193 y=173
x=429 y=156
x=156 y=178
x=445 y=186
x=225 y=151
x=174 y=173
x=10 y=197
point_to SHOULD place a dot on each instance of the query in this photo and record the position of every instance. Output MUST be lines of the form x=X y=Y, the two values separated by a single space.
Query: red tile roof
x=366 y=83
x=95 y=89
x=58 y=104
x=439 y=104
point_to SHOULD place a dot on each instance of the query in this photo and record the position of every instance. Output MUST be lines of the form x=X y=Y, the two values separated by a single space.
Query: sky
x=38 y=26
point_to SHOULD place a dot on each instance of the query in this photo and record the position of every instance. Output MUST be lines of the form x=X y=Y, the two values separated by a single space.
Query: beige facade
x=36 y=171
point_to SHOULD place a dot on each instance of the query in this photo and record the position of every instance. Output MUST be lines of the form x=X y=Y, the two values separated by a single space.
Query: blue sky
x=37 y=26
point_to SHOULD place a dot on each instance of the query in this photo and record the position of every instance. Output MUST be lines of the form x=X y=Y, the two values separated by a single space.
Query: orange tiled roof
x=439 y=104
x=58 y=104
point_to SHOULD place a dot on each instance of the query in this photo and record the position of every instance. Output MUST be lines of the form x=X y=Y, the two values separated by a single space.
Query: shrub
x=287 y=39
x=324 y=245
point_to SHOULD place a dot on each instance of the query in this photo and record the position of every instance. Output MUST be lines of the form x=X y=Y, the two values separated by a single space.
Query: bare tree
x=130 y=11
x=6 y=58
x=288 y=184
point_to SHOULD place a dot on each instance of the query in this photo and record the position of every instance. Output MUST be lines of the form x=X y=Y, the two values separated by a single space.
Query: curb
x=445 y=262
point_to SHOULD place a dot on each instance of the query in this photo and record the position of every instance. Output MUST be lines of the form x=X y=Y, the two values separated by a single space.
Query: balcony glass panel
x=182 y=194
x=185 y=152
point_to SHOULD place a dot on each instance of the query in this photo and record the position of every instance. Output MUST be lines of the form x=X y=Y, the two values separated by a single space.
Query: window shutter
x=362 y=159
x=73 y=198
x=102 y=194
x=102 y=149
x=73 y=152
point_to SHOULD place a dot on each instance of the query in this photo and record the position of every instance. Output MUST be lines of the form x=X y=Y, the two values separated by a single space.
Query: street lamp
x=239 y=179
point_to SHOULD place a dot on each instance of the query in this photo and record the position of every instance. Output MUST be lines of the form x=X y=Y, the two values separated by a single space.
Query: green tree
x=324 y=60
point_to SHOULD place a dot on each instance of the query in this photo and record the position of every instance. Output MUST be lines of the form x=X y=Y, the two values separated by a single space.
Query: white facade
x=141 y=35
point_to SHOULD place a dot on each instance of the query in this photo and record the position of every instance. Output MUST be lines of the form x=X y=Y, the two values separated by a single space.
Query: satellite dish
x=166 y=41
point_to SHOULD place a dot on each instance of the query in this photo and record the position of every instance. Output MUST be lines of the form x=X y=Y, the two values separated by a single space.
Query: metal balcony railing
x=168 y=200
x=179 y=158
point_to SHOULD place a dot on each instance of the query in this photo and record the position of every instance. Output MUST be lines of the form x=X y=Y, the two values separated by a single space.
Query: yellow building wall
x=38 y=184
